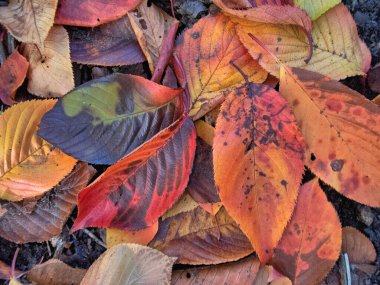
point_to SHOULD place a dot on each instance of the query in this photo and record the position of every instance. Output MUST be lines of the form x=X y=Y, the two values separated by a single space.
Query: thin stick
x=172 y=7
x=95 y=238
x=14 y=262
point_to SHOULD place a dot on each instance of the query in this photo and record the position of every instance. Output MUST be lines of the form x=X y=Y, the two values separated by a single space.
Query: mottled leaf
x=50 y=71
x=116 y=113
x=316 y=8
x=258 y=163
x=311 y=242
x=12 y=75
x=29 y=166
x=197 y=237
x=29 y=21
x=129 y=264
x=337 y=49
x=358 y=247
x=205 y=52
x=341 y=130
x=91 y=13
x=45 y=219
x=107 y=45
x=133 y=193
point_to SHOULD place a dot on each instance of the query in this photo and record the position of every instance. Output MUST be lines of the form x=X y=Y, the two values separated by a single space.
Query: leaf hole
x=312 y=157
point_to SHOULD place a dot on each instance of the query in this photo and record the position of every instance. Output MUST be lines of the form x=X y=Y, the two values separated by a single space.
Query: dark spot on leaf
x=262 y=174
x=277 y=195
x=312 y=157
x=366 y=179
x=337 y=164
x=225 y=143
x=284 y=183
x=195 y=35
x=295 y=102
x=188 y=275
x=279 y=39
x=143 y=24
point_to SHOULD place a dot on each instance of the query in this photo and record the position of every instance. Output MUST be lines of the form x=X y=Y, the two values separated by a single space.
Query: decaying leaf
x=29 y=21
x=129 y=264
x=151 y=26
x=91 y=13
x=312 y=240
x=341 y=130
x=143 y=237
x=358 y=247
x=12 y=75
x=258 y=163
x=205 y=52
x=338 y=51
x=116 y=113
x=197 y=237
x=110 y=44
x=133 y=193
x=55 y=272
x=316 y=8
x=47 y=217
x=29 y=166
x=50 y=71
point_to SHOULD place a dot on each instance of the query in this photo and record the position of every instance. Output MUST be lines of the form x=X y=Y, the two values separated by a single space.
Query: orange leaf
x=358 y=247
x=341 y=130
x=205 y=52
x=311 y=242
x=258 y=163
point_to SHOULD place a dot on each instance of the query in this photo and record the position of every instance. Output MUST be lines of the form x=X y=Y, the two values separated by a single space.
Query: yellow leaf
x=50 y=71
x=337 y=49
x=29 y=166
x=205 y=131
x=29 y=21
x=316 y=8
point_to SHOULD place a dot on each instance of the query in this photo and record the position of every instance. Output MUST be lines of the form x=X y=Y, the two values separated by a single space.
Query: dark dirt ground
x=83 y=247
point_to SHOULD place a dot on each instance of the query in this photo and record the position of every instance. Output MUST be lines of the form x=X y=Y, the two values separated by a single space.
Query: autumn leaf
x=311 y=242
x=50 y=71
x=341 y=130
x=91 y=13
x=130 y=264
x=49 y=214
x=197 y=237
x=133 y=193
x=316 y=8
x=205 y=131
x=338 y=51
x=12 y=74
x=205 y=52
x=185 y=204
x=29 y=166
x=116 y=113
x=110 y=44
x=258 y=163
x=29 y=21
x=359 y=248
x=151 y=26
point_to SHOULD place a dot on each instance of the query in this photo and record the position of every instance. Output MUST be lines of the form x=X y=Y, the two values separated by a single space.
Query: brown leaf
x=358 y=247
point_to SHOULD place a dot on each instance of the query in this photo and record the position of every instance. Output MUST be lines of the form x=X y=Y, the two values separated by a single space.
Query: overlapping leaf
x=107 y=45
x=133 y=193
x=103 y=120
x=312 y=240
x=29 y=166
x=197 y=237
x=29 y=21
x=50 y=71
x=205 y=52
x=46 y=218
x=359 y=248
x=258 y=163
x=337 y=49
x=316 y=8
x=91 y=13
x=341 y=130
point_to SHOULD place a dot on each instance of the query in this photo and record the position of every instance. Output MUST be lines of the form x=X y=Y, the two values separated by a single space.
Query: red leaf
x=133 y=193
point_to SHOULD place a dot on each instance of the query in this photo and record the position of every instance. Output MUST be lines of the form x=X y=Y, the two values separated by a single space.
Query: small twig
x=172 y=7
x=13 y=266
x=48 y=248
x=95 y=238
x=3 y=55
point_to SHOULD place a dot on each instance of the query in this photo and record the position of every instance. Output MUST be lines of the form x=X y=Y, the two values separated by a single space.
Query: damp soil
x=82 y=248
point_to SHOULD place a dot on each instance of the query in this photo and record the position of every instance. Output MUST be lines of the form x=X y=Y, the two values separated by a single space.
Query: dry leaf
x=358 y=247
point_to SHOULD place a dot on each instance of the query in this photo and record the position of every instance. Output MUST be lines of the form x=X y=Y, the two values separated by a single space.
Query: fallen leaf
x=91 y=13
x=205 y=131
x=312 y=240
x=55 y=272
x=46 y=219
x=29 y=21
x=143 y=237
x=196 y=237
x=341 y=130
x=133 y=193
x=258 y=163
x=358 y=247
x=50 y=71
x=12 y=75
x=151 y=26
x=110 y=44
x=205 y=52
x=316 y=8
x=267 y=275
x=240 y=272
x=116 y=113
x=129 y=264
x=337 y=49
x=185 y=204
x=29 y=166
